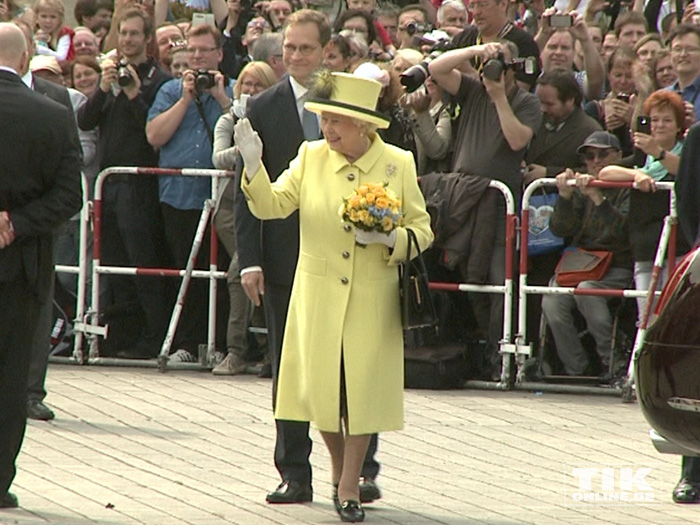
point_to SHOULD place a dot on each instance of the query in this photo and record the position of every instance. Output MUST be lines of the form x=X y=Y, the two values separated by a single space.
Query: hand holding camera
x=128 y=79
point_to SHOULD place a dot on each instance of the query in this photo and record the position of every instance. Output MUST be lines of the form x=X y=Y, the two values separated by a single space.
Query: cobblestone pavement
x=136 y=446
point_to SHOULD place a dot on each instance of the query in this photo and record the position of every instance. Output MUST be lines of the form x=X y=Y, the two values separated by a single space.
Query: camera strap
x=200 y=108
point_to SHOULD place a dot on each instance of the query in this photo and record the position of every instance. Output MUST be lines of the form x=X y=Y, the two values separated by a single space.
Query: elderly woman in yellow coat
x=342 y=355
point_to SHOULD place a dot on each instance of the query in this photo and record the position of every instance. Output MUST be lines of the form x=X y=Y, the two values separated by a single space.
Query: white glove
x=363 y=237
x=250 y=146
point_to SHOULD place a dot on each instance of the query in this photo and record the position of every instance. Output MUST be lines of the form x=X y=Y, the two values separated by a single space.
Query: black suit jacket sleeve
x=63 y=197
x=272 y=244
x=60 y=94
x=247 y=226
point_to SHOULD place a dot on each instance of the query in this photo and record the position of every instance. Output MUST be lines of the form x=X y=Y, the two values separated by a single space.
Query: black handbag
x=417 y=308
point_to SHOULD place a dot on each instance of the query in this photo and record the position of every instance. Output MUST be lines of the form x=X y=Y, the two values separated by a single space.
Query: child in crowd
x=53 y=37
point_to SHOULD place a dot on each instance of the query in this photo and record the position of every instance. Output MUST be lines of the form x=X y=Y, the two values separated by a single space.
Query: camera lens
x=124 y=77
x=203 y=81
x=493 y=69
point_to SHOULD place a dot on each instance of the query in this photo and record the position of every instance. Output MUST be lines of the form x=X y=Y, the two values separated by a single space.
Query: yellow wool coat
x=345 y=299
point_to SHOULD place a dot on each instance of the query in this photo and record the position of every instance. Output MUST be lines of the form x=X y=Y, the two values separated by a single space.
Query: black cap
x=600 y=139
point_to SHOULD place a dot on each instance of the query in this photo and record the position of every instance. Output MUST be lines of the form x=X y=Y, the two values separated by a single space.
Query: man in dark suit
x=39 y=189
x=36 y=409
x=268 y=251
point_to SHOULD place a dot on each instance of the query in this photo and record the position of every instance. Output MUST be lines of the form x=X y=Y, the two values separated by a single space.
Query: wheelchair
x=549 y=368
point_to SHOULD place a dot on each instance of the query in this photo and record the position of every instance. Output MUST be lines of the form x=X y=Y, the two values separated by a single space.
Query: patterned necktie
x=309 y=124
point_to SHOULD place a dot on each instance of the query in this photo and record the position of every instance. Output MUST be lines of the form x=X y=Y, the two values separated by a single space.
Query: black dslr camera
x=124 y=76
x=414 y=27
x=204 y=80
x=415 y=76
x=494 y=68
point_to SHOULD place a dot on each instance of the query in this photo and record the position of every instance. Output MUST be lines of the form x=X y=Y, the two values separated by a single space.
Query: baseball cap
x=601 y=140
x=45 y=62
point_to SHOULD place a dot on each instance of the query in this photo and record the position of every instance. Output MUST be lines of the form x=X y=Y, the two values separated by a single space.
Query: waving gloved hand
x=363 y=237
x=250 y=146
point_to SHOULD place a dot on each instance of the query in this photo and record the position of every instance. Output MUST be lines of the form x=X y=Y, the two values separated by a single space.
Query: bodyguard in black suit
x=39 y=189
x=268 y=250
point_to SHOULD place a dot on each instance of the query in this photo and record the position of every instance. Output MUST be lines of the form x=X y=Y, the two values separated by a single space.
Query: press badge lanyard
x=503 y=32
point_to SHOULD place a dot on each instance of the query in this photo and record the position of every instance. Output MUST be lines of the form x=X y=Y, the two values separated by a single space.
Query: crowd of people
x=479 y=90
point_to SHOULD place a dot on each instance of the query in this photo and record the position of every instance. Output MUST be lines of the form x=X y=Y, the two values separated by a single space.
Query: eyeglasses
x=679 y=50
x=601 y=154
x=252 y=84
x=201 y=50
x=258 y=25
x=305 y=49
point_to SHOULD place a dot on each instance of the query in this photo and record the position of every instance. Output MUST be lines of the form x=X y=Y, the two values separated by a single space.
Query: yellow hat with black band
x=348 y=95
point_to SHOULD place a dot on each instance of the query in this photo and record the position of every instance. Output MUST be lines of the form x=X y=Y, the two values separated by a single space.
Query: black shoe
x=369 y=491
x=38 y=410
x=290 y=492
x=336 y=501
x=8 y=501
x=351 y=511
x=265 y=371
x=686 y=492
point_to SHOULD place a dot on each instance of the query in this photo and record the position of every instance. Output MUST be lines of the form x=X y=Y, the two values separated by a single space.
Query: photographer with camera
x=491 y=24
x=181 y=123
x=497 y=120
x=413 y=21
x=557 y=40
x=131 y=224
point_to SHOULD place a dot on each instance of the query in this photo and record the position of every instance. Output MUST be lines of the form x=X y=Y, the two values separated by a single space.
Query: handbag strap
x=413 y=240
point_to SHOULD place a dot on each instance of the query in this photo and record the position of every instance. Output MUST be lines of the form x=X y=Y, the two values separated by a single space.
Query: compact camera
x=124 y=76
x=204 y=80
x=561 y=21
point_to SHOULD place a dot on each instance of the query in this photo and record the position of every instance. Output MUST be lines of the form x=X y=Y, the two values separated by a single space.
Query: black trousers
x=132 y=235
x=690 y=468
x=19 y=307
x=180 y=229
x=293 y=445
x=41 y=347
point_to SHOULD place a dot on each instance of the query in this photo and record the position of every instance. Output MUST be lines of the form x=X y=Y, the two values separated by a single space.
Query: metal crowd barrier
x=506 y=346
x=87 y=325
x=523 y=349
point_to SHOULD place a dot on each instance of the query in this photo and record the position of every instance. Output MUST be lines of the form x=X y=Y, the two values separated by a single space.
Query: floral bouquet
x=372 y=208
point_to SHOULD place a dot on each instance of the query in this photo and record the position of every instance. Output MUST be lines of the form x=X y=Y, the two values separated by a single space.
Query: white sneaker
x=230 y=366
x=182 y=356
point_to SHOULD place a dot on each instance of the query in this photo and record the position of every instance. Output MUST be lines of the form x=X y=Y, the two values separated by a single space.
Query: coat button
x=345 y=280
x=347 y=227
x=351 y=176
x=346 y=255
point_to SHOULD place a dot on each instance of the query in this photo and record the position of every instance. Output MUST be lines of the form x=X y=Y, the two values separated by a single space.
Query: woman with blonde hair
x=342 y=356
x=53 y=37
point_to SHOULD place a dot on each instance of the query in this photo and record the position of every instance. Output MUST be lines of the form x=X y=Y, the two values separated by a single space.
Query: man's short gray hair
x=267 y=45
x=454 y=4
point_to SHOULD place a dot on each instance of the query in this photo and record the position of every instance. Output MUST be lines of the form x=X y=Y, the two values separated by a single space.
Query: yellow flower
x=363 y=216
x=353 y=216
x=354 y=202
x=382 y=202
x=362 y=190
x=387 y=224
x=369 y=198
